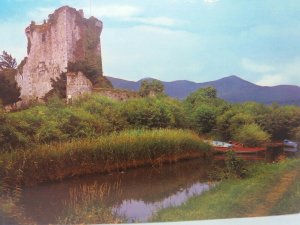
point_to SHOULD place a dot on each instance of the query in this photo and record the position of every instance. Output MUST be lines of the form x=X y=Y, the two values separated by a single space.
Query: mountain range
x=231 y=88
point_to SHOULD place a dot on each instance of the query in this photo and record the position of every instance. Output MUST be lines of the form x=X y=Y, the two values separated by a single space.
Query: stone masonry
x=77 y=85
x=64 y=37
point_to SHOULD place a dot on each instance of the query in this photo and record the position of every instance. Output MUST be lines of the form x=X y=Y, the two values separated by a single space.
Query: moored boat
x=290 y=144
x=223 y=147
x=221 y=144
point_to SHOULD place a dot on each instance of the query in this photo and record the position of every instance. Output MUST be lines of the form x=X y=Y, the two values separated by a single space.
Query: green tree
x=281 y=121
x=223 y=124
x=251 y=135
x=7 y=61
x=204 y=118
x=147 y=113
x=9 y=90
x=202 y=95
x=153 y=87
x=238 y=120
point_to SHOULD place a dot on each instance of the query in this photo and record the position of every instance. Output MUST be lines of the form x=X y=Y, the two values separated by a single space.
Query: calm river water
x=134 y=194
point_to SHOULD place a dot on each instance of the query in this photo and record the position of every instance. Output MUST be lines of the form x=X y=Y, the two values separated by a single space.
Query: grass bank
x=271 y=189
x=116 y=151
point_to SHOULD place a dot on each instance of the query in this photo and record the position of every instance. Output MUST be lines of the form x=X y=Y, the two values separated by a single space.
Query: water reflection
x=140 y=211
x=154 y=186
x=136 y=193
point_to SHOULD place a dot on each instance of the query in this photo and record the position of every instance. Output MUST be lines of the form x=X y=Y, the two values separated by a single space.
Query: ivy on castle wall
x=89 y=58
x=91 y=42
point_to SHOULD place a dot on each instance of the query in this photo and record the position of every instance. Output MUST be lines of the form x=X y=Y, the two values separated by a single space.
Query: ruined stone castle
x=65 y=37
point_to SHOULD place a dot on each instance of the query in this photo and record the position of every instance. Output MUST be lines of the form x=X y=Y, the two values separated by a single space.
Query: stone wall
x=51 y=45
x=116 y=94
x=77 y=85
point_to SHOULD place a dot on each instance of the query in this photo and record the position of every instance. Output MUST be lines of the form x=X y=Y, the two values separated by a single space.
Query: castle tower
x=65 y=37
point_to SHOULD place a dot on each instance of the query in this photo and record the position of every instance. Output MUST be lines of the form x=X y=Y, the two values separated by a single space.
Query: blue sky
x=197 y=40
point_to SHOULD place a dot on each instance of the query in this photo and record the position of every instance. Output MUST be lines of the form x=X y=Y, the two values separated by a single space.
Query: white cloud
x=114 y=11
x=210 y=1
x=14 y=41
x=100 y=11
x=285 y=73
x=127 y=13
x=143 y=51
x=252 y=66
x=158 y=21
x=130 y=14
x=271 y=80
x=39 y=14
x=185 y=1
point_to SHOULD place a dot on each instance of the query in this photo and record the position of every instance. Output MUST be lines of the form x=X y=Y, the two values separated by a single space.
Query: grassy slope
x=242 y=198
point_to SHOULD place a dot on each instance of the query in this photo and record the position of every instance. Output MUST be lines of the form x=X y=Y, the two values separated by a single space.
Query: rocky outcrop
x=65 y=37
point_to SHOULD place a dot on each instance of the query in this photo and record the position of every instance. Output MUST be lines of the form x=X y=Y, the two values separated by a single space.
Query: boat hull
x=240 y=150
x=290 y=144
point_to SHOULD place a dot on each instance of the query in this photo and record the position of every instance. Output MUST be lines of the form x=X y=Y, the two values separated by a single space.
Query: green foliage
x=146 y=113
x=204 y=118
x=281 y=121
x=7 y=61
x=107 y=111
x=91 y=41
x=202 y=95
x=231 y=121
x=53 y=161
x=9 y=90
x=88 y=116
x=59 y=87
x=93 y=115
x=151 y=88
x=296 y=133
x=238 y=120
x=204 y=108
x=91 y=71
x=179 y=114
x=235 y=168
x=251 y=135
x=223 y=124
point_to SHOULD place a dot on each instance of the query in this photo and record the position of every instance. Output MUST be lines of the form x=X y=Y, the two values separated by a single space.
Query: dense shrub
x=204 y=118
x=94 y=115
x=151 y=87
x=9 y=90
x=251 y=135
x=88 y=116
x=296 y=133
x=147 y=113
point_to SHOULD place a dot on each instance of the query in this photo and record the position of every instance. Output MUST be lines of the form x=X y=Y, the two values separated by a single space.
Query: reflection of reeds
x=86 y=205
x=10 y=208
x=86 y=194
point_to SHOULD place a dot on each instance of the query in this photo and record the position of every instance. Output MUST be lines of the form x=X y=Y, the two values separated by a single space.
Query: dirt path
x=275 y=194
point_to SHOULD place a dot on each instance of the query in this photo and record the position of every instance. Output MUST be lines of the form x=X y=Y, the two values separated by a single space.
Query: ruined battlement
x=66 y=36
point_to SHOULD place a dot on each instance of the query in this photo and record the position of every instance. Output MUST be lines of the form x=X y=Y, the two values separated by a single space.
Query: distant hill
x=232 y=89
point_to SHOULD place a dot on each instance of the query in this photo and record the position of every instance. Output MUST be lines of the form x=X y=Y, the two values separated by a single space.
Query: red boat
x=238 y=148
